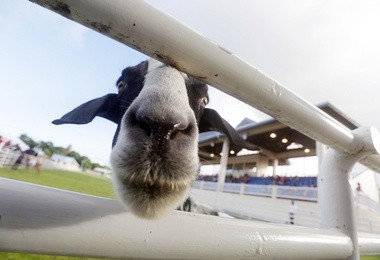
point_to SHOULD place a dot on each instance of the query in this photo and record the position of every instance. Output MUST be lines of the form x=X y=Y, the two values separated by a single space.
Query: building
x=280 y=146
x=62 y=162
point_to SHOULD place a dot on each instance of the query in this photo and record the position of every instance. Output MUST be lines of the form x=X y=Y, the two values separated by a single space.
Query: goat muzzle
x=161 y=128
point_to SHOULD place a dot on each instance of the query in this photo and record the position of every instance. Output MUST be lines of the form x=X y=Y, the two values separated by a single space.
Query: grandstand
x=259 y=185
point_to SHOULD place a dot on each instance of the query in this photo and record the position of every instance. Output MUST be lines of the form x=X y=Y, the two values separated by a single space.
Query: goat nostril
x=161 y=129
x=177 y=128
x=148 y=125
x=166 y=131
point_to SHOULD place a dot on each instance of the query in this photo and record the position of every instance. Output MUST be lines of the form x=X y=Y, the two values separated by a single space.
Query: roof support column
x=262 y=166
x=275 y=167
x=223 y=164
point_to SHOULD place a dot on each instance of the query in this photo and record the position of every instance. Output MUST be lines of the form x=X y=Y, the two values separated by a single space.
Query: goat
x=159 y=112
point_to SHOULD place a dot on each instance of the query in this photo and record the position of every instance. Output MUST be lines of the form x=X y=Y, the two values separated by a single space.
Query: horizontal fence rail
x=84 y=225
x=135 y=23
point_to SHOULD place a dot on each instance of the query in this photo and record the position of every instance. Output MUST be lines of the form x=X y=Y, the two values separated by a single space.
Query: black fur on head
x=159 y=112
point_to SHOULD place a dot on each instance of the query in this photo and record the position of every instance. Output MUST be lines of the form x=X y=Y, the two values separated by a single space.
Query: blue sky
x=322 y=50
x=48 y=66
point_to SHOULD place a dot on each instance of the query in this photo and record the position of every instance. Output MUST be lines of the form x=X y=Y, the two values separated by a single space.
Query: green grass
x=73 y=181
x=18 y=256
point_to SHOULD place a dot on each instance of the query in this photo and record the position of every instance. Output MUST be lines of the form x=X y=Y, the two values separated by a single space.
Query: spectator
x=358 y=192
x=7 y=144
x=38 y=167
x=358 y=188
x=282 y=180
x=292 y=211
x=246 y=178
x=16 y=148
x=27 y=161
x=18 y=161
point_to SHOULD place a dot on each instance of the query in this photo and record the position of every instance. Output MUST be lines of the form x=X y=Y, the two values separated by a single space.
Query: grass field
x=17 y=256
x=73 y=181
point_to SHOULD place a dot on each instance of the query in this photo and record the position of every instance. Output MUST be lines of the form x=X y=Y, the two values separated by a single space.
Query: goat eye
x=121 y=86
x=204 y=101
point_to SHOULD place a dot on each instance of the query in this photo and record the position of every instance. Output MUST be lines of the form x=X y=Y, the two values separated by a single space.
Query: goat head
x=159 y=112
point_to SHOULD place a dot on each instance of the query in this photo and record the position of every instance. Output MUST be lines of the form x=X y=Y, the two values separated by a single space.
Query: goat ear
x=212 y=121
x=106 y=107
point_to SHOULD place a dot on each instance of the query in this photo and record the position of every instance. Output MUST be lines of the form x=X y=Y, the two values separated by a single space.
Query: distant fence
x=278 y=191
x=8 y=156
x=274 y=191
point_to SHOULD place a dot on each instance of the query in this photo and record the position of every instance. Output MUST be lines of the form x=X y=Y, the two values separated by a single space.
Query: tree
x=48 y=148
x=96 y=165
x=85 y=163
x=75 y=155
x=29 y=141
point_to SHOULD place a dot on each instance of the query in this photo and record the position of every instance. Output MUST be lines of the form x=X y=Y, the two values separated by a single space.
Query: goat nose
x=162 y=127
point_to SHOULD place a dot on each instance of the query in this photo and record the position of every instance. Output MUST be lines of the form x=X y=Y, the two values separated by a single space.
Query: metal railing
x=53 y=221
x=146 y=29
x=260 y=204
x=8 y=156
x=274 y=191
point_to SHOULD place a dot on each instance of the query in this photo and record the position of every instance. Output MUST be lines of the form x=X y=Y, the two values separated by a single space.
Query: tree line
x=49 y=149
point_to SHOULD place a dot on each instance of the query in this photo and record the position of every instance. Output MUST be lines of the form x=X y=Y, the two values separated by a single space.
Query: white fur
x=164 y=95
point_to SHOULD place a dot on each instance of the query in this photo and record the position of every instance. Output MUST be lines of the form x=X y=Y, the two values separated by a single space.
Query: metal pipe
x=369 y=244
x=52 y=221
x=335 y=193
x=146 y=29
x=124 y=236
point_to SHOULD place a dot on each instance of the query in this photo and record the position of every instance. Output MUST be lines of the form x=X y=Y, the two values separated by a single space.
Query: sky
x=325 y=51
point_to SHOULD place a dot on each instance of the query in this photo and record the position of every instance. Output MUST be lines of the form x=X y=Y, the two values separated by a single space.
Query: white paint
x=121 y=235
x=335 y=194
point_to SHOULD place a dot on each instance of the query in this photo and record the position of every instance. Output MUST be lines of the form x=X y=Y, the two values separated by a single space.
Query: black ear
x=106 y=107
x=212 y=121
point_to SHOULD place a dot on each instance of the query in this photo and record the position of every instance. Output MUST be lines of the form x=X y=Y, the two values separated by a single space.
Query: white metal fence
x=273 y=191
x=278 y=191
x=8 y=156
x=135 y=23
x=266 y=207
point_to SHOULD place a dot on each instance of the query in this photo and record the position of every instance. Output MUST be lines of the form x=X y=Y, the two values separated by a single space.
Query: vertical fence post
x=242 y=188
x=335 y=193
x=223 y=165
x=274 y=191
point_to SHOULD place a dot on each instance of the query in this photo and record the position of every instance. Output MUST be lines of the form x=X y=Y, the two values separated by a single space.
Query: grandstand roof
x=276 y=140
